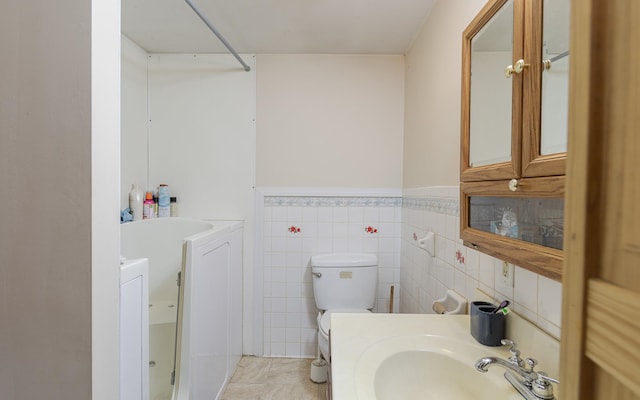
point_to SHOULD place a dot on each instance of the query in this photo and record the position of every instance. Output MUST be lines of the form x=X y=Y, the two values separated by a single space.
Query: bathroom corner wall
x=425 y=279
x=299 y=223
x=431 y=160
x=202 y=145
x=432 y=96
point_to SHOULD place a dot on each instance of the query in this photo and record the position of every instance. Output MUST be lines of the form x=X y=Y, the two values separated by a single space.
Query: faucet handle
x=510 y=343
x=543 y=375
x=542 y=387
x=515 y=353
x=531 y=362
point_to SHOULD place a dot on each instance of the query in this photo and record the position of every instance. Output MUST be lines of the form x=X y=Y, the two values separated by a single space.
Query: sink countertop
x=352 y=334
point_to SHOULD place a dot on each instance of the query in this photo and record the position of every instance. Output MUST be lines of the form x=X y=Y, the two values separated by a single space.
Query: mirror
x=491 y=94
x=555 y=76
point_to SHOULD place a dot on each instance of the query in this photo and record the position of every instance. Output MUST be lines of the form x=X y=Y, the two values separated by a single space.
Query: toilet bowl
x=342 y=283
x=324 y=325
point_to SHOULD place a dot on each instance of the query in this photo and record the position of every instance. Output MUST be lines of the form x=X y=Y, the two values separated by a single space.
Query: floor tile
x=264 y=378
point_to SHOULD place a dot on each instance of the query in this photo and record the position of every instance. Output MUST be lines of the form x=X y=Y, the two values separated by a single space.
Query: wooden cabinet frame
x=508 y=169
x=533 y=163
x=537 y=258
x=526 y=160
x=538 y=175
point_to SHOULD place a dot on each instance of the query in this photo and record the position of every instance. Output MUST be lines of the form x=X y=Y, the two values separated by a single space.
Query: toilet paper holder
x=451 y=303
x=428 y=243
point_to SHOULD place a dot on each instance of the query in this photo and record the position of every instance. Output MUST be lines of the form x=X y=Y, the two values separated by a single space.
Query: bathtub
x=195 y=329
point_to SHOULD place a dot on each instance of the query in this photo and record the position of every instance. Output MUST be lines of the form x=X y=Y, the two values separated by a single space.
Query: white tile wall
x=295 y=228
x=335 y=224
x=424 y=279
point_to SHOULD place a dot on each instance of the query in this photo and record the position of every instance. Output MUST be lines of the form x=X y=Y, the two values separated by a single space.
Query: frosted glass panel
x=533 y=220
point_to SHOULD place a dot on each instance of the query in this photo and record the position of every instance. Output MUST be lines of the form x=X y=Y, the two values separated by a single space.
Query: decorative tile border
x=326 y=201
x=440 y=205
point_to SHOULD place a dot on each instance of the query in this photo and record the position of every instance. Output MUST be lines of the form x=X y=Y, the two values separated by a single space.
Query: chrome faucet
x=532 y=385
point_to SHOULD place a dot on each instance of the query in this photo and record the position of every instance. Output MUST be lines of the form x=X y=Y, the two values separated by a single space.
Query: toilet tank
x=344 y=280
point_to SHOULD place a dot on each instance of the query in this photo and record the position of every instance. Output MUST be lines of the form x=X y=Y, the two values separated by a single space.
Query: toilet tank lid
x=344 y=260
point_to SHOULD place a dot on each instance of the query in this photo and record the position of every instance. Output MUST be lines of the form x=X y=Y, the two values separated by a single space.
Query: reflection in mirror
x=490 y=108
x=555 y=76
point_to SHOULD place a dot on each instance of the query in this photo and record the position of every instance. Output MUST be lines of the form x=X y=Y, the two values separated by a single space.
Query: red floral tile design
x=459 y=257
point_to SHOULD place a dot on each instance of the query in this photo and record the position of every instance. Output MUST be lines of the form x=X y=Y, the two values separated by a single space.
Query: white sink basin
x=428 y=367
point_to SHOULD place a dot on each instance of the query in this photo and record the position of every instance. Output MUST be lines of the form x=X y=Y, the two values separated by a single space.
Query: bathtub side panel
x=210 y=313
x=204 y=341
x=160 y=240
x=134 y=330
x=236 y=305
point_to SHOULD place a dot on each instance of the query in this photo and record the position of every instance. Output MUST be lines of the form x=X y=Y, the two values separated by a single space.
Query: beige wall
x=52 y=255
x=45 y=159
x=329 y=121
x=432 y=96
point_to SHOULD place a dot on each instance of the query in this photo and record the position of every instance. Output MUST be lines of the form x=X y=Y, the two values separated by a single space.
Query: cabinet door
x=524 y=226
x=600 y=351
x=491 y=119
x=546 y=87
x=515 y=127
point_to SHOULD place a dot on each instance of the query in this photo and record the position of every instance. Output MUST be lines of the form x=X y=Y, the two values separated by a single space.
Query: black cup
x=487 y=327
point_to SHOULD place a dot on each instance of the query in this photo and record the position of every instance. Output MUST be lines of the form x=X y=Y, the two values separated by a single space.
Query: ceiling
x=276 y=26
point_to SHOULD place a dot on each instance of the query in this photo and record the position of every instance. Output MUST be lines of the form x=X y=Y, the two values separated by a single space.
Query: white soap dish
x=451 y=303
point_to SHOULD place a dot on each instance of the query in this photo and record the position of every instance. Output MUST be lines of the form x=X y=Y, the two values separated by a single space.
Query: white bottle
x=135 y=202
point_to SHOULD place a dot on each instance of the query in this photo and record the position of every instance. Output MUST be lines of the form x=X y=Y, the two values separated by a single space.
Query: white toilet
x=342 y=283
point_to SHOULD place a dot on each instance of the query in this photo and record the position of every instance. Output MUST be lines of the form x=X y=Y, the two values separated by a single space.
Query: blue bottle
x=164 y=201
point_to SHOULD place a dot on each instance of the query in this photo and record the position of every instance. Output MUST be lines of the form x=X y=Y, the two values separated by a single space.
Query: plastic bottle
x=135 y=202
x=164 y=201
x=154 y=210
x=149 y=206
x=174 y=206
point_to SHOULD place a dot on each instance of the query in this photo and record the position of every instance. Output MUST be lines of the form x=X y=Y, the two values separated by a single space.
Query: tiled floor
x=259 y=378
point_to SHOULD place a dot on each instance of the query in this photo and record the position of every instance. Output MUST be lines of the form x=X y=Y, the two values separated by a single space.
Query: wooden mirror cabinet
x=514 y=132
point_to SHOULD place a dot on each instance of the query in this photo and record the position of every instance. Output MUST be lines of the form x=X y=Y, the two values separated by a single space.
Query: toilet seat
x=324 y=320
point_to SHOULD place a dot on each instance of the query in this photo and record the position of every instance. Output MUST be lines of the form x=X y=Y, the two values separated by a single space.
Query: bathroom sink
x=427 y=367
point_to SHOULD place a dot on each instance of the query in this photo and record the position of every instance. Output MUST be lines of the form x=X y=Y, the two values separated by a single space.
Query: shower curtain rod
x=215 y=31
x=559 y=56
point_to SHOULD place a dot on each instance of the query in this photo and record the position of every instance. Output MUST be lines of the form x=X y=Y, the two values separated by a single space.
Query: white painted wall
x=105 y=181
x=202 y=132
x=330 y=120
x=189 y=121
x=432 y=100
x=134 y=159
